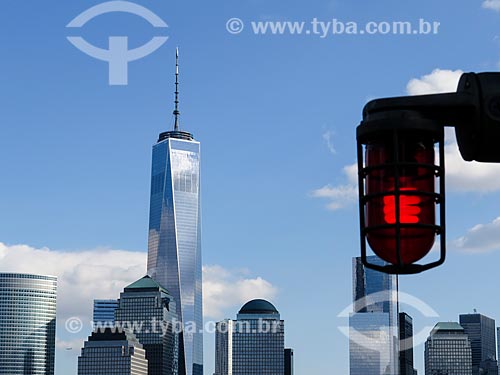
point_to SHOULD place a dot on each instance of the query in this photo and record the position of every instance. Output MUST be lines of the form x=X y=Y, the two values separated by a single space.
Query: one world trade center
x=174 y=245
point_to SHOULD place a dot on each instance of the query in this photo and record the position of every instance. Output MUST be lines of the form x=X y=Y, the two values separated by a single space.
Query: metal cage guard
x=439 y=229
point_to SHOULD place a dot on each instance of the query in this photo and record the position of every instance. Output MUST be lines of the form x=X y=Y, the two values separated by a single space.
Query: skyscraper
x=174 y=247
x=498 y=341
x=373 y=341
x=481 y=332
x=289 y=362
x=252 y=344
x=406 y=344
x=448 y=351
x=148 y=310
x=104 y=312
x=27 y=324
x=112 y=352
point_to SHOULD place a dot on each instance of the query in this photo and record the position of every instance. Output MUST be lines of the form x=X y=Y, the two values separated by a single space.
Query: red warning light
x=401 y=201
x=408 y=206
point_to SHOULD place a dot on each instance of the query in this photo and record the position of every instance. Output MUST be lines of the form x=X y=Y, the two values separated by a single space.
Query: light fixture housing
x=400 y=188
x=401 y=167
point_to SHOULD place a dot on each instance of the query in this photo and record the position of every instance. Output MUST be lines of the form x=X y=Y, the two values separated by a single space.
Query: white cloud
x=439 y=81
x=225 y=289
x=82 y=275
x=465 y=176
x=103 y=273
x=340 y=196
x=481 y=238
x=492 y=4
x=328 y=138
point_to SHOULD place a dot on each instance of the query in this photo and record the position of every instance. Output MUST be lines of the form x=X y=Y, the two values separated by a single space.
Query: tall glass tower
x=174 y=247
x=28 y=324
x=373 y=333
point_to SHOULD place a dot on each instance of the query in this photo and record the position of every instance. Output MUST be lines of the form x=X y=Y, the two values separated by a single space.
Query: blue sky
x=75 y=154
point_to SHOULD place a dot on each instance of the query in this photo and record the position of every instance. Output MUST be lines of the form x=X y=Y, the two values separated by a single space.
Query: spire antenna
x=176 y=110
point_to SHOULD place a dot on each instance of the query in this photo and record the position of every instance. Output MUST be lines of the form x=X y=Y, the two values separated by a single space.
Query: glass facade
x=373 y=326
x=174 y=247
x=448 y=351
x=27 y=324
x=406 y=344
x=481 y=332
x=112 y=352
x=147 y=309
x=252 y=344
x=370 y=344
x=104 y=312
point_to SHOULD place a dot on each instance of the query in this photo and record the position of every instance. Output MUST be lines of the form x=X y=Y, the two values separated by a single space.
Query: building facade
x=174 y=247
x=112 y=352
x=289 y=362
x=481 y=332
x=498 y=341
x=448 y=351
x=406 y=345
x=252 y=344
x=27 y=324
x=370 y=344
x=148 y=310
x=373 y=325
x=104 y=312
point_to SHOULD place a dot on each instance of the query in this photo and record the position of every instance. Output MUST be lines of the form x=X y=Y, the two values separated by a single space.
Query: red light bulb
x=412 y=173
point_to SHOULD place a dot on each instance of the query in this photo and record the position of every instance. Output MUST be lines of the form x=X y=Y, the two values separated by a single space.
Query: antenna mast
x=176 y=110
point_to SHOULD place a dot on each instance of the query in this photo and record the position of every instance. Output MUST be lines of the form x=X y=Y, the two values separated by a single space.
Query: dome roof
x=258 y=306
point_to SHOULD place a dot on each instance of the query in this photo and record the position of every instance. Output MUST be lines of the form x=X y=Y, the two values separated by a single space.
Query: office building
x=148 y=310
x=174 y=247
x=498 y=340
x=104 y=312
x=373 y=325
x=406 y=344
x=254 y=343
x=481 y=332
x=27 y=324
x=289 y=362
x=112 y=352
x=448 y=351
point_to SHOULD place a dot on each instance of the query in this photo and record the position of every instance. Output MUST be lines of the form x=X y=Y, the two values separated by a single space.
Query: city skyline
x=276 y=115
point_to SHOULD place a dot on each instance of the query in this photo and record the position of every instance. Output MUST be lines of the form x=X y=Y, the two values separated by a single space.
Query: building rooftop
x=114 y=334
x=177 y=134
x=447 y=327
x=146 y=284
x=258 y=306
